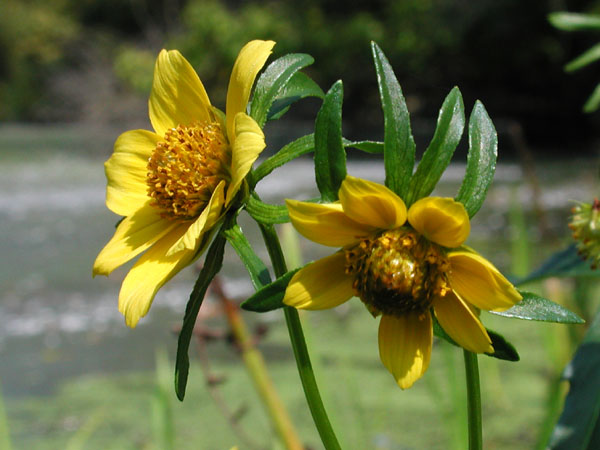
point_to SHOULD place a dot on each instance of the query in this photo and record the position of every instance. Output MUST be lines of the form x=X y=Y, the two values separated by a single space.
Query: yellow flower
x=401 y=264
x=174 y=185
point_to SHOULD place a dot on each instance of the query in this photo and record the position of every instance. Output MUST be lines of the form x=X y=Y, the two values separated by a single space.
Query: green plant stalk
x=4 y=428
x=305 y=370
x=473 y=400
x=256 y=366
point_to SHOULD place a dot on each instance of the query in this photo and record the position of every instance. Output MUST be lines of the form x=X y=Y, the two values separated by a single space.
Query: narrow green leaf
x=481 y=160
x=587 y=57
x=365 y=146
x=565 y=263
x=294 y=149
x=270 y=297
x=212 y=265
x=449 y=129
x=272 y=81
x=593 y=102
x=574 y=21
x=298 y=87
x=534 y=307
x=330 y=156
x=266 y=213
x=259 y=274
x=399 y=145
x=578 y=427
x=502 y=348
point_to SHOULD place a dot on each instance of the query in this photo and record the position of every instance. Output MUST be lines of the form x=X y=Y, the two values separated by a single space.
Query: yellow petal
x=149 y=274
x=320 y=285
x=248 y=144
x=441 y=220
x=134 y=234
x=211 y=214
x=464 y=327
x=178 y=96
x=126 y=171
x=251 y=59
x=326 y=224
x=372 y=203
x=405 y=346
x=478 y=282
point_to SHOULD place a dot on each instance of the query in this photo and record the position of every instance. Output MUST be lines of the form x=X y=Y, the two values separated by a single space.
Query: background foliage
x=504 y=52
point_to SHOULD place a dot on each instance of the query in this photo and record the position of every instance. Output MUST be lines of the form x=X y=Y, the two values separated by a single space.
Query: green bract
x=330 y=156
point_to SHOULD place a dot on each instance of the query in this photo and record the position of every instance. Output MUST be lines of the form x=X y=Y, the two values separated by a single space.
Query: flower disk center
x=186 y=167
x=398 y=272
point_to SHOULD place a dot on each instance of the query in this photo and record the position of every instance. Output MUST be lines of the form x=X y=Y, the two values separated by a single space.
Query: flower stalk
x=305 y=370
x=473 y=401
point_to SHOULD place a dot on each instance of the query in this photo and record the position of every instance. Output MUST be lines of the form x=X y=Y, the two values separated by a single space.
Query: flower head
x=585 y=223
x=404 y=266
x=174 y=185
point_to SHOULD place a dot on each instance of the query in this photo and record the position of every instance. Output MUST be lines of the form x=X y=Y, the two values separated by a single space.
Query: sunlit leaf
x=449 y=129
x=266 y=213
x=298 y=87
x=578 y=427
x=330 y=156
x=294 y=149
x=272 y=82
x=365 y=146
x=481 y=160
x=399 y=145
x=534 y=307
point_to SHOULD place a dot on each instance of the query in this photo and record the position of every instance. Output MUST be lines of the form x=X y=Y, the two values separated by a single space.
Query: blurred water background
x=59 y=325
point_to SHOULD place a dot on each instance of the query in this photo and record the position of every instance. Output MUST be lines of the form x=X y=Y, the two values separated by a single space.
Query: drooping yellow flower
x=402 y=265
x=174 y=185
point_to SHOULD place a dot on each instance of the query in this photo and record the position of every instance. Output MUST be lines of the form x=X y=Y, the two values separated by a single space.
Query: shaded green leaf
x=578 y=427
x=270 y=297
x=259 y=274
x=330 y=156
x=565 y=263
x=212 y=265
x=534 y=307
x=502 y=348
x=399 y=144
x=449 y=129
x=593 y=102
x=298 y=87
x=481 y=160
x=574 y=21
x=266 y=213
x=365 y=146
x=272 y=82
x=587 y=57
x=299 y=147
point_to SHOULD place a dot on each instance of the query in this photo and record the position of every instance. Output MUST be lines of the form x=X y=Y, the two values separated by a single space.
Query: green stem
x=473 y=401
x=305 y=370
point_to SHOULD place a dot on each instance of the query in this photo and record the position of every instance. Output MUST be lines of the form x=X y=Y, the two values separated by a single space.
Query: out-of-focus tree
x=32 y=39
